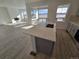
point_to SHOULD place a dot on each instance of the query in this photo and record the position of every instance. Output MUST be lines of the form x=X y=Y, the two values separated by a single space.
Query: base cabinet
x=44 y=46
x=72 y=29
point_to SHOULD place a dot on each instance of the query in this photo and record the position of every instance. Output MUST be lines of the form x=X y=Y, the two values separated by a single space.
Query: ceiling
x=40 y=0
x=20 y=3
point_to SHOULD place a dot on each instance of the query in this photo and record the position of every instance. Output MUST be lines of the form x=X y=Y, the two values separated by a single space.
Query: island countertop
x=43 y=32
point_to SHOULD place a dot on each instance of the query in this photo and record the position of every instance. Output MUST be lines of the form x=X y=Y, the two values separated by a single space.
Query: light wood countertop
x=43 y=32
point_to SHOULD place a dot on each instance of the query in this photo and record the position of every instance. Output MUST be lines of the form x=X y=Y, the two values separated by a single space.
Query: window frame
x=61 y=13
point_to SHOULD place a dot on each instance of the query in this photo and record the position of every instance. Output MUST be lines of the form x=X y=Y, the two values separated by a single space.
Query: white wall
x=74 y=7
x=13 y=12
x=4 y=15
x=52 y=8
x=12 y=3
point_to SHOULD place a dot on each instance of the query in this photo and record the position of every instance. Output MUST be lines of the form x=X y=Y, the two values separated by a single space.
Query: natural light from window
x=39 y=15
x=61 y=12
x=22 y=15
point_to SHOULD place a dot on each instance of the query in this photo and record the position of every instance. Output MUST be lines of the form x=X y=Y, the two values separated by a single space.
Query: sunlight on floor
x=28 y=27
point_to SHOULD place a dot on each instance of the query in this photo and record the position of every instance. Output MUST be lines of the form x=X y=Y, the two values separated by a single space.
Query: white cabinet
x=72 y=28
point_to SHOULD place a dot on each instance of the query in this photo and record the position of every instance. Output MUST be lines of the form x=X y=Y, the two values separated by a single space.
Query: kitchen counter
x=43 y=38
x=43 y=32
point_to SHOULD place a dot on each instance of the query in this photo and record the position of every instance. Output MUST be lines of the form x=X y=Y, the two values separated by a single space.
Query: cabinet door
x=69 y=26
x=44 y=46
x=74 y=30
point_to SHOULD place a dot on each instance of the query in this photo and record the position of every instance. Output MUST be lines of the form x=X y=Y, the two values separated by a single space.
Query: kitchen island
x=43 y=38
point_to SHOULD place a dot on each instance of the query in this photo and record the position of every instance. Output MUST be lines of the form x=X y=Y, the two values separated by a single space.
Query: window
x=60 y=15
x=61 y=12
x=40 y=15
x=35 y=14
x=22 y=15
x=43 y=15
x=43 y=11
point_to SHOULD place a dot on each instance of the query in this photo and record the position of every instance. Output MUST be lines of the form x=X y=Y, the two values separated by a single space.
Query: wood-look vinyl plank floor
x=14 y=44
x=66 y=46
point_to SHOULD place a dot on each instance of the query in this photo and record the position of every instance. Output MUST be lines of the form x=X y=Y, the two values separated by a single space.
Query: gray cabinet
x=44 y=46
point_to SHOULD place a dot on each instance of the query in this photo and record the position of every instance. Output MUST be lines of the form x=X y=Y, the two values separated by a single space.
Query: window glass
x=62 y=10
x=34 y=13
x=60 y=16
x=60 y=19
x=43 y=11
x=21 y=14
x=39 y=15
